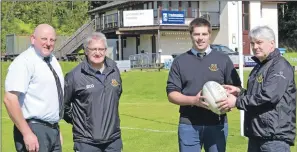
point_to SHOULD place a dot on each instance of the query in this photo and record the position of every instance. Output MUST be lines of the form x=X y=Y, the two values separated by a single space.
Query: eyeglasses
x=97 y=49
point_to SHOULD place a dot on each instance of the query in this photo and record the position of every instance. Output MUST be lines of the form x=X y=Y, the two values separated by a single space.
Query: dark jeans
x=192 y=138
x=48 y=138
x=258 y=145
x=114 y=146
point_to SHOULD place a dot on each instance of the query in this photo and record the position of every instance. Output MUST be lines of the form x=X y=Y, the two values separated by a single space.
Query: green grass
x=144 y=110
x=291 y=57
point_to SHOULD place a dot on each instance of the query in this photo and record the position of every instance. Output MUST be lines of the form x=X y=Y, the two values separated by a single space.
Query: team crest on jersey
x=114 y=82
x=259 y=78
x=213 y=67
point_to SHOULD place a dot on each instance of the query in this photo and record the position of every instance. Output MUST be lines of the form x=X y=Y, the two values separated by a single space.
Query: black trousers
x=260 y=145
x=48 y=138
x=114 y=146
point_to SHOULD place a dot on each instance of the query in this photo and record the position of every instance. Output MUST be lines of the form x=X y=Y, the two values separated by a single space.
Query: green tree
x=22 y=17
x=288 y=25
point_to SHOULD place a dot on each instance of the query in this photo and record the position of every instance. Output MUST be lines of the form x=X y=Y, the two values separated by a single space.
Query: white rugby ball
x=213 y=92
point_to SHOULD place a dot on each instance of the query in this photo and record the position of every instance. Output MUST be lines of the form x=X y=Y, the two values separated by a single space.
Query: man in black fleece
x=92 y=93
x=198 y=126
x=269 y=101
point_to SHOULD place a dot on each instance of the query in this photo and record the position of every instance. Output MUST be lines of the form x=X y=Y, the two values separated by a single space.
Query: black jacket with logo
x=270 y=100
x=91 y=105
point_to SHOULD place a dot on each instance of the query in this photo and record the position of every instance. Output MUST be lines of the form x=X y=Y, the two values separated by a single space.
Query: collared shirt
x=99 y=73
x=207 y=51
x=29 y=75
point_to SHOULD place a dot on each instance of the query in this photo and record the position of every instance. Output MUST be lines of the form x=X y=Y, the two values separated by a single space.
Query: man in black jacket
x=270 y=99
x=92 y=93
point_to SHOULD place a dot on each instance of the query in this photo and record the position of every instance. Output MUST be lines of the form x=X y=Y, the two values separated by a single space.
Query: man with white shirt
x=34 y=94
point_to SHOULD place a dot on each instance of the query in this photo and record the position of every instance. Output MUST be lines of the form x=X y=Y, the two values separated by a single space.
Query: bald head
x=43 y=39
x=43 y=27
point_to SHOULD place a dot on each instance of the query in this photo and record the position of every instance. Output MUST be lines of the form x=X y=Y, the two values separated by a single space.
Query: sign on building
x=248 y=61
x=173 y=17
x=138 y=17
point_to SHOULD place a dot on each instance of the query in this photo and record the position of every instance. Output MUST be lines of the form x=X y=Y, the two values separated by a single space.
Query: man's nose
x=48 y=42
x=200 y=37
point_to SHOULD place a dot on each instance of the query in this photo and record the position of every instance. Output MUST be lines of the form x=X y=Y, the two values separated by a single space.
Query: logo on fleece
x=259 y=78
x=114 y=82
x=213 y=67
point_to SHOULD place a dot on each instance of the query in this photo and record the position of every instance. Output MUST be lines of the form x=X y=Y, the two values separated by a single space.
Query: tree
x=22 y=17
x=288 y=25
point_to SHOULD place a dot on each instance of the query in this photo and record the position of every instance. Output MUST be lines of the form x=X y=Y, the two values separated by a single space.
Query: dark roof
x=108 y=5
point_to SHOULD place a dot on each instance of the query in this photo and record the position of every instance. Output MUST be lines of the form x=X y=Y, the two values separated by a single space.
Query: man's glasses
x=97 y=49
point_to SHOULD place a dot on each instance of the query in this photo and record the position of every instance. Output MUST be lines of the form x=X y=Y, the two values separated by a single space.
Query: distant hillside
x=21 y=18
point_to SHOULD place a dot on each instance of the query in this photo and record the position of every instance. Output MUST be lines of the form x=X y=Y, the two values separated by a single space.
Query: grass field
x=148 y=121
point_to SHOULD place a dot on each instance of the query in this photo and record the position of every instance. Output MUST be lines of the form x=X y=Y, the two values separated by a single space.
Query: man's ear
x=32 y=39
x=272 y=44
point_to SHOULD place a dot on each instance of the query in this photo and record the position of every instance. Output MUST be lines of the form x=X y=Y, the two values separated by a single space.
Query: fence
x=145 y=61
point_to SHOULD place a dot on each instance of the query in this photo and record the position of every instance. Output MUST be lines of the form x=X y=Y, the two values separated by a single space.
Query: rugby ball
x=213 y=92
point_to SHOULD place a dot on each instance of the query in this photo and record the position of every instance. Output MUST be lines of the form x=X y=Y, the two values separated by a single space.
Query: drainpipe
x=159 y=38
x=120 y=46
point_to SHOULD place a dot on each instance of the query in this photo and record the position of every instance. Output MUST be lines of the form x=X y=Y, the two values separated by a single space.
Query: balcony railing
x=111 y=21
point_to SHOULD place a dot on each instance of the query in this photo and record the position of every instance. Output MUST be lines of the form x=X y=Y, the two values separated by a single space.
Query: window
x=194 y=7
x=124 y=42
x=246 y=16
x=165 y=5
x=155 y=9
x=150 y=5
x=139 y=7
x=184 y=7
x=145 y=6
x=174 y=5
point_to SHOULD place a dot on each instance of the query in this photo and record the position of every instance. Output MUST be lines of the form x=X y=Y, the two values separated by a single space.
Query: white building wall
x=264 y=16
x=130 y=48
x=269 y=10
x=221 y=35
x=232 y=24
x=255 y=14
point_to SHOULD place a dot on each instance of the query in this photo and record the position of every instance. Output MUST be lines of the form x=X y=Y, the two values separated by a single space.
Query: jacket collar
x=108 y=63
x=272 y=55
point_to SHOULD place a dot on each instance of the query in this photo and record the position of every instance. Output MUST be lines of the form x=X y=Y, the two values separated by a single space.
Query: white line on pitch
x=127 y=128
x=149 y=130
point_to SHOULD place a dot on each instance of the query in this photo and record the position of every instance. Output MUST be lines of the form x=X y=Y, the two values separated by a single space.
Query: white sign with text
x=138 y=17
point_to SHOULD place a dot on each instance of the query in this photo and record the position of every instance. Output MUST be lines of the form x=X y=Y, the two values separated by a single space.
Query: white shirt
x=30 y=75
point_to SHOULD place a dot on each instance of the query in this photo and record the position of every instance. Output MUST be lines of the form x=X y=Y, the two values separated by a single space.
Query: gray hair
x=95 y=36
x=262 y=32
